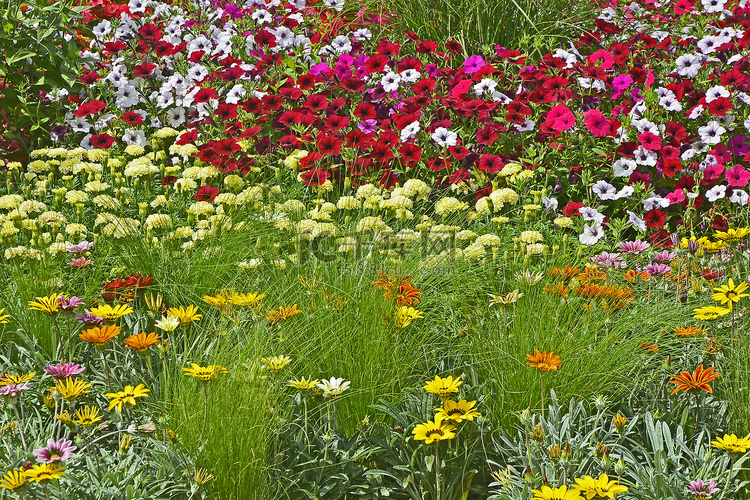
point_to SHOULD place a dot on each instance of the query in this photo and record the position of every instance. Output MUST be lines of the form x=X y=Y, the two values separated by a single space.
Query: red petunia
x=206 y=193
x=132 y=118
x=571 y=208
x=655 y=218
x=89 y=108
x=102 y=141
x=315 y=177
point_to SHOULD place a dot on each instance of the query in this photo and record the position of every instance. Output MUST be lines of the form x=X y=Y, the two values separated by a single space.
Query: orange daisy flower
x=543 y=361
x=142 y=341
x=100 y=336
x=697 y=382
x=690 y=331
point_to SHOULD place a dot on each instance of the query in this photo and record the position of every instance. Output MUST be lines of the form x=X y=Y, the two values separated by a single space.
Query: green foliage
x=40 y=53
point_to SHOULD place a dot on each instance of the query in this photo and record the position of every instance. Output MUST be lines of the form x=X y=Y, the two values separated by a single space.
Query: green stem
x=438 y=496
x=106 y=369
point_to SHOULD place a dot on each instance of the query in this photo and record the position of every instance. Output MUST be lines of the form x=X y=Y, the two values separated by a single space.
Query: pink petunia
x=473 y=64
x=737 y=176
x=603 y=57
x=560 y=118
x=597 y=123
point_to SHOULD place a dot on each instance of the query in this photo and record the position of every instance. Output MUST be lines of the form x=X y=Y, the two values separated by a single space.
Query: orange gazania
x=649 y=347
x=399 y=288
x=142 y=341
x=697 y=382
x=591 y=274
x=100 y=336
x=543 y=361
x=690 y=331
x=557 y=289
x=566 y=273
x=282 y=314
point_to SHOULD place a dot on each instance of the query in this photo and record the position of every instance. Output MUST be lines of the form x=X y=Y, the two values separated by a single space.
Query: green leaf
x=18 y=56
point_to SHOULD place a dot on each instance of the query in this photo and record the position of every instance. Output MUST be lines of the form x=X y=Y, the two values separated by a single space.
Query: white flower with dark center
x=636 y=221
x=526 y=126
x=645 y=157
x=390 y=81
x=338 y=5
x=711 y=132
x=653 y=202
x=176 y=116
x=127 y=96
x=137 y=6
x=708 y=44
x=604 y=190
x=131 y=136
x=591 y=234
x=197 y=73
x=199 y=44
x=362 y=34
x=410 y=75
x=591 y=214
x=486 y=86
x=235 y=94
x=715 y=92
x=261 y=16
x=501 y=98
x=341 y=44
x=739 y=197
x=716 y=193
x=102 y=29
x=625 y=192
x=688 y=65
x=712 y=6
x=444 y=137
x=410 y=131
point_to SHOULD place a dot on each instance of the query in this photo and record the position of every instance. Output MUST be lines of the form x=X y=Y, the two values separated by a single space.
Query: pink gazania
x=14 y=390
x=55 y=451
x=62 y=371
x=657 y=269
x=81 y=262
x=634 y=247
x=737 y=176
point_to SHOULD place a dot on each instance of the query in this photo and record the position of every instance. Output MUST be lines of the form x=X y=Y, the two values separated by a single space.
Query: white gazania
x=333 y=388
x=168 y=323
x=591 y=234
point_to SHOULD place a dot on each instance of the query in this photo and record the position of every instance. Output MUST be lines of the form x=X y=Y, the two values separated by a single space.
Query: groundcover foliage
x=302 y=250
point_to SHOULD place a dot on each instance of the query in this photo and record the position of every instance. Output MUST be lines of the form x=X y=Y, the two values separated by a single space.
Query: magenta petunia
x=472 y=64
x=737 y=176
x=597 y=123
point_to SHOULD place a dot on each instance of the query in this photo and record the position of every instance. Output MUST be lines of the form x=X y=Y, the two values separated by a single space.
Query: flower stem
x=437 y=471
x=46 y=492
x=697 y=416
x=106 y=369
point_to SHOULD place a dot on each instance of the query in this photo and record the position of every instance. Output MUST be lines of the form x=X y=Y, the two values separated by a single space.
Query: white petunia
x=716 y=193
x=444 y=137
x=591 y=234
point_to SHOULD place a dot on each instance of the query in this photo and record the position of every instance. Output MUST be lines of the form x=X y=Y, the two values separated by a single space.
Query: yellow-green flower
x=561 y=493
x=4 y=318
x=253 y=300
x=729 y=294
x=599 y=488
x=44 y=472
x=15 y=379
x=13 y=480
x=276 y=363
x=458 y=411
x=434 y=430
x=443 y=387
x=405 y=315
x=206 y=374
x=710 y=313
x=185 y=315
x=87 y=416
x=49 y=305
x=732 y=444
x=110 y=313
x=71 y=389
x=126 y=396
x=303 y=384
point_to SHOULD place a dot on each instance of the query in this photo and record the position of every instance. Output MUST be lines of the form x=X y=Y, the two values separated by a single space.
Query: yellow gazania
x=458 y=411
x=110 y=313
x=599 y=488
x=4 y=318
x=405 y=315
x=303 y=384
x=505 y=300
x=434 y=430
x=443 y=387
x=49 y=305
x=729 y=293
x=619 y=422
x=206 y=374
x=13 y=480
x=44 y=472
x=64 y=417
x=710 y=313
x=253 y=300
x=219 y=300
x=561 y=493
x=87 y=416
x=732 y=443
x=71 y=389
x=282 y=314
x=15 y=379
x=142 y=341
x=99 y=336
x=732 y=234
x=127 y=396
x=276 y=363
x=185 y=315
